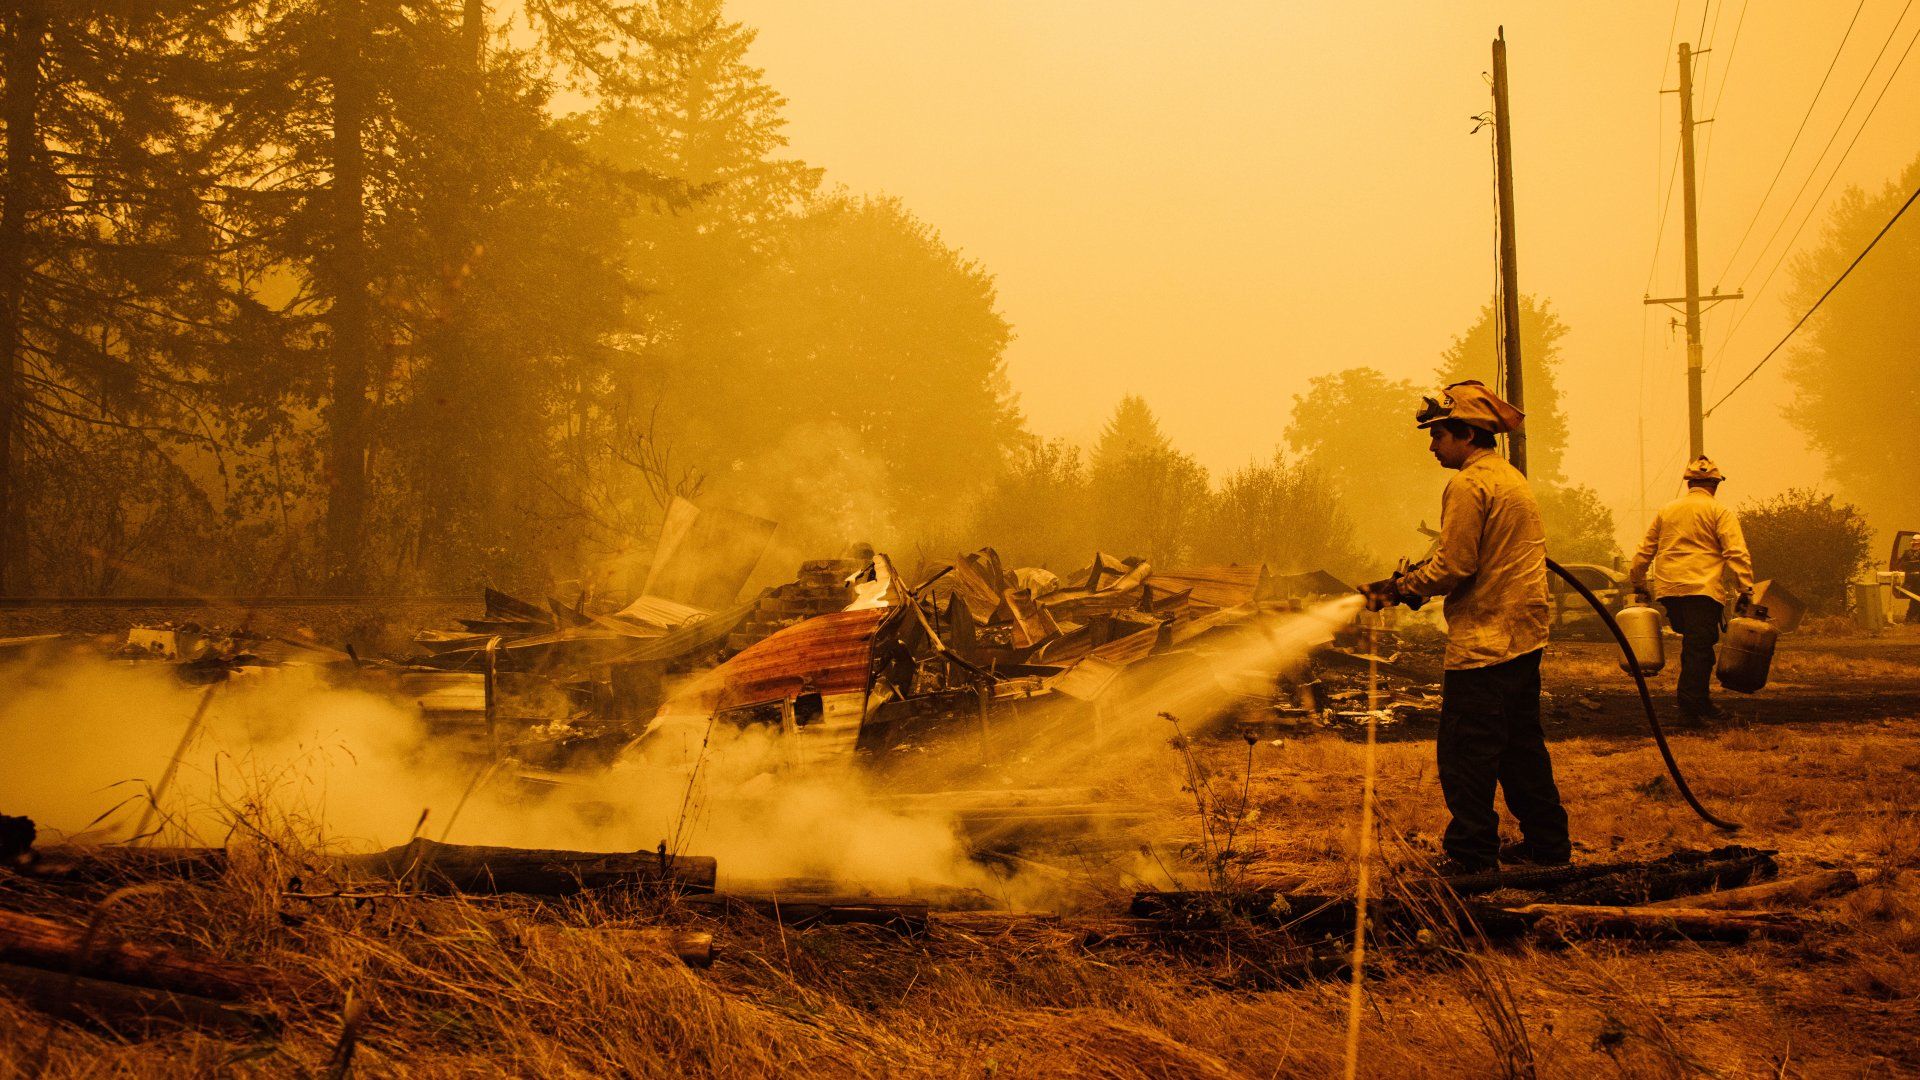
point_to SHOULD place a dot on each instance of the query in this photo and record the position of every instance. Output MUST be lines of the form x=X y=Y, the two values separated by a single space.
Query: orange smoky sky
x=1208 y=204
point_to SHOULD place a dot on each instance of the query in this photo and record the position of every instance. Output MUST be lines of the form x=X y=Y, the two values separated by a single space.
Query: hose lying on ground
x=1646 y=699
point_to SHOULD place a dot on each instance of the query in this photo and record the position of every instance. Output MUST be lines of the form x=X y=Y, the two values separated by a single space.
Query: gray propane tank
x=1746 y=652
x=1641 y=625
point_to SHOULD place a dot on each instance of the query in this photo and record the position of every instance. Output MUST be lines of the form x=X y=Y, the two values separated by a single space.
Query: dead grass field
x=482 y=987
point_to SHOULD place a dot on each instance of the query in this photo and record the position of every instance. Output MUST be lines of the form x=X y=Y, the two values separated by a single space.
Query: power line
x=1838 y=127
x=1823 y=299
x=1814 y=207
x=1788 y=156
x=1726 y=72
x=1660 y=230
x=1660 y=125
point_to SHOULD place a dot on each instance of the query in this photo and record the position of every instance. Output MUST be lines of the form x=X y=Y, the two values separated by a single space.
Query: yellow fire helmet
x=1703 y=468
x=1470 y=402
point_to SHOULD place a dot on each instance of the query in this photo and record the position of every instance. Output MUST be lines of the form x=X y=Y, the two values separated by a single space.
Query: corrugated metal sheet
x=828 y=655
x=651 y=616
x=693 y=638
x=1310 y=584
x=1129 y=649
x=979 y=578
x=1087 y=679
x=1220 y=586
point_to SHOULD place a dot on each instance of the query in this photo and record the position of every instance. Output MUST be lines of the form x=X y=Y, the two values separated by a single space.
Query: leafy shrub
x=1812 y=543
x=1579 y=526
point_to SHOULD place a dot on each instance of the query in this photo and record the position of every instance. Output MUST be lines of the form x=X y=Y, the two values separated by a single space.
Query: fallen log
x=120 y=864
x=438 y=867
x=1696 y=924
x=1310 y=917
x=939 y=895
x=1803 y=889
x=60 y=947
x=120 y=1005
x=1627 y=882
x=905 y=914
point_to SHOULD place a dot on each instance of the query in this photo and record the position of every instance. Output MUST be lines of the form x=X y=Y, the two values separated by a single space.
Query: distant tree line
x=1348 y=491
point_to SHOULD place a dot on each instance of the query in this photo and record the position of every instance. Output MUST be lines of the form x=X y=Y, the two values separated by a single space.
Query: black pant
x=1490 y=736
x=1697 y=620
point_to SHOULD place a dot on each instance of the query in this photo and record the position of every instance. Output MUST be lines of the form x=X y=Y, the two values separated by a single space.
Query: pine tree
x=1131 y=430
x=108 y=301
x=1148 y=498
x=1475 y=355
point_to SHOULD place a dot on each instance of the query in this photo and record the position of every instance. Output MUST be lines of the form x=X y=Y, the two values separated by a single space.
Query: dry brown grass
x=497 y=987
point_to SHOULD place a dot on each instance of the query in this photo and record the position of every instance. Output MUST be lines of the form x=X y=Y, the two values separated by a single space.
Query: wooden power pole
x=1696 y=422
x=1509 y=272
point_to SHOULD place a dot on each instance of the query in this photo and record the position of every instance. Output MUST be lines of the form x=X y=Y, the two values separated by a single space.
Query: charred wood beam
x=904 y=914
x=43 y=943
x=1310 y=917
x=120 y=1006
x=1629 y=882
x=120 y=864
x=437 y=867
x=1693 y=924
x=1800 y=890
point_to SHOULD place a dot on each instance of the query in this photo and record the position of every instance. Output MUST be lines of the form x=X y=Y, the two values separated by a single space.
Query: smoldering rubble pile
x=850 y=656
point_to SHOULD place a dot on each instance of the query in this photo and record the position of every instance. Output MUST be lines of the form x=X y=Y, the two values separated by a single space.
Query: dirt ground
x=1824 y=767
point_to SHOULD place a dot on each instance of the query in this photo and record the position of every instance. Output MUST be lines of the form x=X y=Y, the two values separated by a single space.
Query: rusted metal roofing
x=1310 y=584
x=651 y=616
x=980 y=579
x=1129 y=648
x=831 y=654
x=1220 y=586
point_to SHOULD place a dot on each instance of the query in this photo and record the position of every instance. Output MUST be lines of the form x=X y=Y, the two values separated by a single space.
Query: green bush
x=1811 y=543
x=1579 y=526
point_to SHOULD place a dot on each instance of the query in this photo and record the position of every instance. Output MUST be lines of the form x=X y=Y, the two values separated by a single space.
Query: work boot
x=1450 y=867
x=1697 y=714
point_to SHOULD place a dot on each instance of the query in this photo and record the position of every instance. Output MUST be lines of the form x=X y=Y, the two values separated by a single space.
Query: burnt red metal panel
x=831 y=654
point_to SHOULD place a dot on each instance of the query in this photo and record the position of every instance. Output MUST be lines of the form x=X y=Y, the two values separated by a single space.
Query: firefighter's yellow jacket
x=1491 y=565
x=1691 y=545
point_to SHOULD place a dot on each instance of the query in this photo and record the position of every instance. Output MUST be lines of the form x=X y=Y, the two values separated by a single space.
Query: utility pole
x=1696 y=424
x=1509 y=273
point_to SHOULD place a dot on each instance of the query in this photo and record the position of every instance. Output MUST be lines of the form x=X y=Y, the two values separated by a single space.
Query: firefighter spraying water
x=1491 y=566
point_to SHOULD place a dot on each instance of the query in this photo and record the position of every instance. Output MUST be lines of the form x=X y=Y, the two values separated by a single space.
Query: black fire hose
x=1646 y=699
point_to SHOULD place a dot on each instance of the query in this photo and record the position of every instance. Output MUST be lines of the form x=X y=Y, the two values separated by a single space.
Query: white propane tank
x=1641 y=625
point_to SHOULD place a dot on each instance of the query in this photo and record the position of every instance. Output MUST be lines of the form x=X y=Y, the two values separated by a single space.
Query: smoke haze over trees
x=1855 y=367
x=353 y=295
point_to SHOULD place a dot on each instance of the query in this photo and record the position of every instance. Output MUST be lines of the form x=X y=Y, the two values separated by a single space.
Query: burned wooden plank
x=43 y=943
x=1692 y=924
x=125 y=864
x=121 y=1006
x=904 y=914
x=1307 y=915
x=1678 y=874
x=434 y=866
x=1800 y=890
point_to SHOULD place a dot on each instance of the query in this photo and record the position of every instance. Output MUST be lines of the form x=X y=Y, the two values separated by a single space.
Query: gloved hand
x=1643 y=597
x=1382 y=594
x=1743 y=603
